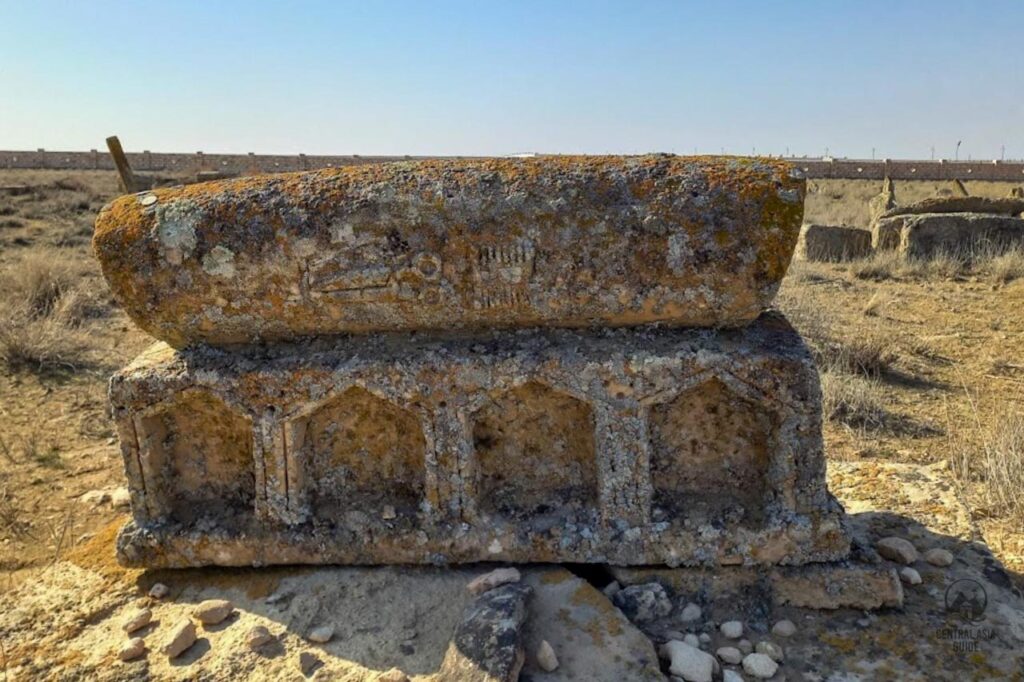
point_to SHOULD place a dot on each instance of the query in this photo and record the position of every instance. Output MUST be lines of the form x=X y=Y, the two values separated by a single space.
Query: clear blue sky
x=507 y=76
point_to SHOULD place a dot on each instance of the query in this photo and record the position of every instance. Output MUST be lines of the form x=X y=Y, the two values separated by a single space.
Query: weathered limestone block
x=645 y=445
x=833 y=243
x=1004 y=206
x=921 y=236
x=454 y=244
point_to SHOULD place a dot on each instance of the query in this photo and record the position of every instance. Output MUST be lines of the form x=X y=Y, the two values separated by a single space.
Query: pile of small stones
x=902 y=551
x=182 y=634
x=689 y=662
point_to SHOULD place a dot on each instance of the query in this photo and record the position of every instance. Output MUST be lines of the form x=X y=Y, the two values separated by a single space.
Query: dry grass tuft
x=44 y=306
x=1008 y=266
x=987 y=457
x=983 y=258
x=853 y=400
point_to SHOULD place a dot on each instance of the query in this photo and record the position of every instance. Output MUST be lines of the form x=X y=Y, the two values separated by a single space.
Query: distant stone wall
x=158 y=162
x=172 y=163
x=847 y=169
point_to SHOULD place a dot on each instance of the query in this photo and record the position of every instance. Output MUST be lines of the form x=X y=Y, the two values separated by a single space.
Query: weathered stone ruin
x=833 y=243
x=559 y=359
x=954 y=224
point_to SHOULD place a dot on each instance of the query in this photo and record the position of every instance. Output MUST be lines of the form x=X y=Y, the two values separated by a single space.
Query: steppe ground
x=922 y=364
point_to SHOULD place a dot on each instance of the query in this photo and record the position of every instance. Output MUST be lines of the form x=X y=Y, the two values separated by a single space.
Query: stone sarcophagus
x=596 y=379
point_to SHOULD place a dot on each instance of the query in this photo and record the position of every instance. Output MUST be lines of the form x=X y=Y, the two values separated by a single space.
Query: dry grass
x=987 y=457
x=982 y=260
x=46 y=302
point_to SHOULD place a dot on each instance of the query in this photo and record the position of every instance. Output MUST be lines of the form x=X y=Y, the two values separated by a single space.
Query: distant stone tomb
x=546 y=359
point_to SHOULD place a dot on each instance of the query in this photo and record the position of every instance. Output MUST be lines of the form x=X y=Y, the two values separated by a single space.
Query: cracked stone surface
x=564 y=241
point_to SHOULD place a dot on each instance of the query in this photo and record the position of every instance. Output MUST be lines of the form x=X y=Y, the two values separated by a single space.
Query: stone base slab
x=834 y=585
x=625 y=446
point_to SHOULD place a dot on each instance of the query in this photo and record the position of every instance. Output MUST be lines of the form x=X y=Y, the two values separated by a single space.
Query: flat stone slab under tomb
x=624 y=446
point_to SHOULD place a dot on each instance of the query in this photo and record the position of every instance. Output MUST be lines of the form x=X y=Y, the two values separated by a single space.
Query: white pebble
x=690 y=613
x=939 y=557
x=897 y=549
x=689 y=663
x=731 y=676
x=137 y=620
x=770 y=649
x=760 y=666
x=132 y=649
x=159 y=591
x=692 y=639
x=257 y=637
x=733 y=629
x=910 y=576
x=704 y=638
x=496 y=578
x=612 y=589
x=212 y=611
x=745 y=646
x=180 y=638
x=730 y=655
x=784 y=628
x=321 y=634
x=546 y=657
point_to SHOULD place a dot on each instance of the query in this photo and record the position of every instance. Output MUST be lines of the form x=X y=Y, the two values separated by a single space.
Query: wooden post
x=128 y=182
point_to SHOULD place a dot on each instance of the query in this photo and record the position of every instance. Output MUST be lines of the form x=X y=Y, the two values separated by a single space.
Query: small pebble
x=611 y=589
x=939 y=557
x=770 y=649
x=213 y=611
x=496 y=578
x=730 y=655
x=760 y=666
x=389 y=512
x=137 y=620
x=132 y=649
x=546 y=657
x=321 y=635
x=691 y=612
x=784 y=628
x=257 y=637
x=731 y=676
x=308 y=662
x=692 y=639
x=159 y=591
x=120 y=498
x=733 y=629
x=180 y=638
x=704 y=638
x=897 y=549
x=745 y=646
x=910 y=576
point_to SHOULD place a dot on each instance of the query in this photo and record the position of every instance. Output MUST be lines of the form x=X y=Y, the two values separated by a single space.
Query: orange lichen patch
x=550 y=241
x=98 y=554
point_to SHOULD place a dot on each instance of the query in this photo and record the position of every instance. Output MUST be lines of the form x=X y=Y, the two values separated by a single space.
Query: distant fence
x=156 y=162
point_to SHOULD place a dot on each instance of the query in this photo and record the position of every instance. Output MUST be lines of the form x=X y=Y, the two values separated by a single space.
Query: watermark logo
x=967 y=599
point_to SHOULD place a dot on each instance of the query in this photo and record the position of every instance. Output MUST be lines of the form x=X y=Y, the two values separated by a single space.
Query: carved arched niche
x=709 y=456
x=534 y=449
x=200 y=455
x=362 y=453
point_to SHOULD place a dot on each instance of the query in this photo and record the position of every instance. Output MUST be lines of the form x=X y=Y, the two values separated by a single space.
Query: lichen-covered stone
x=1004 y=206
x=630 y=446
x=454 y=244
x=833 y=243
x=488 y=643
x=930 y=234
